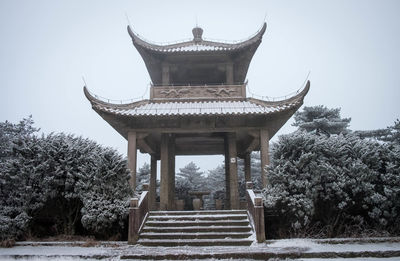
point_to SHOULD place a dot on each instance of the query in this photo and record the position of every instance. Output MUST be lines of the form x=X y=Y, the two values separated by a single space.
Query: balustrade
x=256 y=209
x=138 y=211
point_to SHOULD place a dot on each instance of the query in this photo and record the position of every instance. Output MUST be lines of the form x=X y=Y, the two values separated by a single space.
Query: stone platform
x=290 y=249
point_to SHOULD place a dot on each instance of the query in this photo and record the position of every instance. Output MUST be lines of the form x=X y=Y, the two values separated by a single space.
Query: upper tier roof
x=197 y=61
x=197 y=44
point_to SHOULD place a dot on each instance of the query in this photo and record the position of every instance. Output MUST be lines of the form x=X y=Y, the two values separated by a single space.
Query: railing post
x=259 y=219
x=249 y=185
x=133 y=220
x=256 y=210
x=138 y=210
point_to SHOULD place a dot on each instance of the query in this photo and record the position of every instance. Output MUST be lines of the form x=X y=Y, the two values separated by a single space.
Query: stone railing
x=138 y=212
x=256 y=209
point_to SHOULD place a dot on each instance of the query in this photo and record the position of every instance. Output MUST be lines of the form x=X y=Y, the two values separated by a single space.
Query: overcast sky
x=351 y=48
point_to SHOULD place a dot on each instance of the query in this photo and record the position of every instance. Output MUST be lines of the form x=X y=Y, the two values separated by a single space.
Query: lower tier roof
x=196 y=108
x=199 y=126
x=149 y=108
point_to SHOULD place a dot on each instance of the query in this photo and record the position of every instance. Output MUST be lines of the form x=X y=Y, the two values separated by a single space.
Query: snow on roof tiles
x=197 y=44
x=197 y=47
x=196 y=108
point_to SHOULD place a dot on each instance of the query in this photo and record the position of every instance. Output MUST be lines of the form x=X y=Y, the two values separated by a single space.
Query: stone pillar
x=164 y=190
x=229 y=73
x=264 y=154
x=227 y=179
x=247 y=167
x=165 y=74
x=153 y=183
x=171 y=172
x=167 y=186
x=233 y=175
x=132 y=158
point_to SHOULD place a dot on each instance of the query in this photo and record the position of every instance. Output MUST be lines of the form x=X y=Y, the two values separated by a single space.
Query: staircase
x=197 y=228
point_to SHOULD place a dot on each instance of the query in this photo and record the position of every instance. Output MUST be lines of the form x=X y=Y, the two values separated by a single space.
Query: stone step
x=196 y=229
x=192 y=213
x=204 y=235
x=174 y=223
x=195 y=242
x=198 y=217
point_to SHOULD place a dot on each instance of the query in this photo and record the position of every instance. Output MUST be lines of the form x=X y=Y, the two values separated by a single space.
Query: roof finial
x=197 y=34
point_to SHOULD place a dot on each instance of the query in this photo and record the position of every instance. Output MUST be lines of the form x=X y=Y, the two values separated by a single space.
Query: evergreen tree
x=395 y=132
x=11 y=133
x=57 y=183
x=189 y=178
x=143 y=176
x=215 y=182
x=255 y=169
x=321 y=120
x=191 y=175
x=390 y=134
x=334 y=184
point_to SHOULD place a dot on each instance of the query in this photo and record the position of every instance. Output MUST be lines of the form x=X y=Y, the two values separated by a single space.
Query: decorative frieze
x=198 y=92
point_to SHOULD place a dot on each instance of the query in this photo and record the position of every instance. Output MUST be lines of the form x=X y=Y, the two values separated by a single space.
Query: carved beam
x=252 y=145
x=143 y=144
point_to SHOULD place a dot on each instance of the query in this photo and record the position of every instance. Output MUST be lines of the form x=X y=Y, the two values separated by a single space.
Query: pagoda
x=197 y=106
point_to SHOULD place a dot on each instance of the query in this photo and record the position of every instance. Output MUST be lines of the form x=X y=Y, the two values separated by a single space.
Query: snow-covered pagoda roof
x=198 y=86
x=198 y=58
x=142 y=114
x=197 y=44
x=182 y=107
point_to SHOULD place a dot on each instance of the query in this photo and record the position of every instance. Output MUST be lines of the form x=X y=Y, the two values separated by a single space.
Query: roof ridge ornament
x=197 y=34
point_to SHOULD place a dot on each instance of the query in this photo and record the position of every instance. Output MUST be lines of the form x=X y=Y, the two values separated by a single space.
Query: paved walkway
x=297 y=249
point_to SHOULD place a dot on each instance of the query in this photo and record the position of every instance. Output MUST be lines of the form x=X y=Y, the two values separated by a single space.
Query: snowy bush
x=334 y=183
x=60 y=182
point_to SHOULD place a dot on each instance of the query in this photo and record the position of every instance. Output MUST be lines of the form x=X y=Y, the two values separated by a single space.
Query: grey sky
x=351 y=48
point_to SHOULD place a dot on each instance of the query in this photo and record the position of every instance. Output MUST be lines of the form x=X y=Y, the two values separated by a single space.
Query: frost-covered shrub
x=69 y=180
x=334 y=183
x=13 y=192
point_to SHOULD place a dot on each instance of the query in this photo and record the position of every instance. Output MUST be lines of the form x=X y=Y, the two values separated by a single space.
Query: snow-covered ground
x=310 y=245
x=53 y=250
x=277 y=249
x=351 y=259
